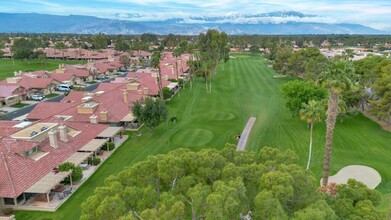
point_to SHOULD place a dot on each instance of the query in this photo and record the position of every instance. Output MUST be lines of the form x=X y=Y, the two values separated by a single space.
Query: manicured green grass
x=51 y=95
x=19 y=105
x=244 y=88
x=9 y=66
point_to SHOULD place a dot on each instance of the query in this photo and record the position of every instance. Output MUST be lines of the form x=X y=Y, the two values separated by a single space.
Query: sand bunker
x=367 y=175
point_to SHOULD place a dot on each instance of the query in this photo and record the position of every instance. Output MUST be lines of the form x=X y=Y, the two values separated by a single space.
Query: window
x=30 y=152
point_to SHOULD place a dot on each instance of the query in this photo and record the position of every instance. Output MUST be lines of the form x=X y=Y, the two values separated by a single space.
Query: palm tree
x=311 y=112
x=338 y=77
x=156 y=64
x=177 y=53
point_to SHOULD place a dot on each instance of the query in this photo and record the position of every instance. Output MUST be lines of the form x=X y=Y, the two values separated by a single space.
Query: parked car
x=37 y=97
x=101 y=77
x=64 y=87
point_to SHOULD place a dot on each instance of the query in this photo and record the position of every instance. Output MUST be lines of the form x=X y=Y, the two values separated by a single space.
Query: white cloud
x=374 y=13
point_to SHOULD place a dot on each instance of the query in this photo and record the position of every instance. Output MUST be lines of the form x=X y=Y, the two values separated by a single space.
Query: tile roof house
x=11 y=94
x=109 y=103
x=148 y=82
x=26 y=158
x=105 y=105
x=45 y=85
x=78 y=53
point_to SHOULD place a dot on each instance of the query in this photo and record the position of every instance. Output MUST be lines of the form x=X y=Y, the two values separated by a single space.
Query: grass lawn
x=19 y=105
x=7 y=67
x=51 y=95
x=244 y=88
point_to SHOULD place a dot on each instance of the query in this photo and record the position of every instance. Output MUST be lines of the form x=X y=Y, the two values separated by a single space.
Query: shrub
x=95 y=161
x=110 y=146
x=167 y=93
x=181 y=81
x=77 y=172
x=172 y=80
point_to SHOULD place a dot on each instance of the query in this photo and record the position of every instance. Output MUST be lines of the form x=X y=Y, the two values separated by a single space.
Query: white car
x=64 y=87
x=37 y=97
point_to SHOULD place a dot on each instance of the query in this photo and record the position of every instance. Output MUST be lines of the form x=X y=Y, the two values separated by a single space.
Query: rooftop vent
x=33 y=133
x=43 y=128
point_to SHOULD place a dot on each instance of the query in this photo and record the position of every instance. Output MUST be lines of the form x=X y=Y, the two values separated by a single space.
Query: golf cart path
x=246 y=132
x=367 y=175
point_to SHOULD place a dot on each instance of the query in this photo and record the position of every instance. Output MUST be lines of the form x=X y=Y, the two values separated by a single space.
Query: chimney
x=94 y=119
x=63 y=133
x=53 y=138
x=156 y=80
x=125 y=93
x=104 y=116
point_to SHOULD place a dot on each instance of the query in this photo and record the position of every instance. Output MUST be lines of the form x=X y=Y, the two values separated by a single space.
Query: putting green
x=220 y=116
x=192 y=137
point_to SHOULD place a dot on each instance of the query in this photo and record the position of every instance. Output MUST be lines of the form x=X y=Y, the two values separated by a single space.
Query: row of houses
x=81 y=54
x=24 y=84
x=72 y=130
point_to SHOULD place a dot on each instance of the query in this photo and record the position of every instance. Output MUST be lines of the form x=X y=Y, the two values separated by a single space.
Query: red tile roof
x=8 y=90
x=48 y=109
x=6 y=128
x=18 y=173
x=112 y=101
x=148 y=81
x=30 y=83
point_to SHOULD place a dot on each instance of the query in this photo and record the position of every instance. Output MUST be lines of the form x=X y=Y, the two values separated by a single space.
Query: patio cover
x=128 y=117
x=93 y=145
x=48 y=182
x=172 y=85
x=110 y=132
x=78 y=157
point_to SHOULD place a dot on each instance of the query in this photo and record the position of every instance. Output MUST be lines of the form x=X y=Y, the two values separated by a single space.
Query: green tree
x=381 y=103
x=213 y=184
x=149 y=111
x=100 y=41
x=254 y=49
x=311 y=113
x=338 y=77
x=120 y=44
x=268 y=207
x=297 y=92
x=318 y=210
x=124 y=60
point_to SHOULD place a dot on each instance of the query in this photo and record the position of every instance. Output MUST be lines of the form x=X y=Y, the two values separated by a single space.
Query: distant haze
x=371 y=13
x=282 y=23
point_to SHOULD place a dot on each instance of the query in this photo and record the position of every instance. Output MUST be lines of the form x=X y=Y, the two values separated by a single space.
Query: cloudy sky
x=372 y=13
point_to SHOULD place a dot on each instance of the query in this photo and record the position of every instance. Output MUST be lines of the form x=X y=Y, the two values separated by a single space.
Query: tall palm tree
x=338 y=77
x=155 y=62
x=177 y=53
x=311 y=113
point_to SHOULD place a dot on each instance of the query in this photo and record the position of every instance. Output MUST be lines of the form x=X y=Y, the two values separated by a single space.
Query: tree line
x=330 y=87
x=226 y=184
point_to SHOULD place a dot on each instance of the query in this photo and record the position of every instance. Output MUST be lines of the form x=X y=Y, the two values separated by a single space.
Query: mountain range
x=281 y=23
